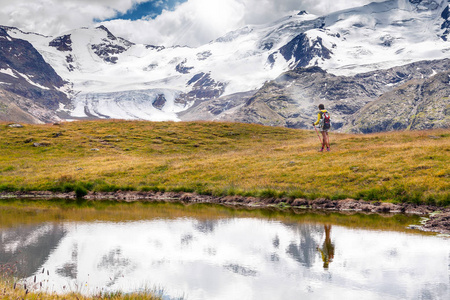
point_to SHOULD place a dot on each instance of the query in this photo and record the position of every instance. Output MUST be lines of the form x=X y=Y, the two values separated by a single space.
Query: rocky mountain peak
x=302 y=50
x=20 y=56
x=422 y=5
x=446 y=24
x=109 y=34
x=29 y=85
x=110 y=47
x=62 y=43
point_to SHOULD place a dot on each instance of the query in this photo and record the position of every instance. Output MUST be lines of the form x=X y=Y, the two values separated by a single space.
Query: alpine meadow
x=225 y=159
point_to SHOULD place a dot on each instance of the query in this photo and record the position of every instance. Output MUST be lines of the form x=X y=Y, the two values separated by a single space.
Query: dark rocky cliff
x=417 y=104
x=26 y=74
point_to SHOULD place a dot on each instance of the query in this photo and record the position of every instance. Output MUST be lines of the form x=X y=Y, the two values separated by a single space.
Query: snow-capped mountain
x=29 y=87
x=111 y=77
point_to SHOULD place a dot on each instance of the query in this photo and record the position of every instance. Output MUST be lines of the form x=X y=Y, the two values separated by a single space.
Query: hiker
x=323 y=120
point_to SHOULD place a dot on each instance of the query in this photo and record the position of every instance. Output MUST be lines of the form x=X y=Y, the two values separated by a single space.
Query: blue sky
x=150 y=9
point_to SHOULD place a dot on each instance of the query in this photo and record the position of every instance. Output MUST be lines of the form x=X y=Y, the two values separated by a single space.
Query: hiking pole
x=317 y=134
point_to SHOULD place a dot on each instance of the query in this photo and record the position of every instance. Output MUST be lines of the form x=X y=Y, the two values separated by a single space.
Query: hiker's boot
x=321 y=150
x=328 y=149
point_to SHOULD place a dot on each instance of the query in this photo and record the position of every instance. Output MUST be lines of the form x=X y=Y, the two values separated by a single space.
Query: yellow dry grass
x=225 y=159
x=10 y=291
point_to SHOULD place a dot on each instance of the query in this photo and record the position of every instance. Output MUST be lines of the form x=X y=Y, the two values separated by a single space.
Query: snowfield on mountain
x=110 y=77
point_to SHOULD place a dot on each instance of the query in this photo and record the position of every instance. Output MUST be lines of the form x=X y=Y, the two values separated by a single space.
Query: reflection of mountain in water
x=241 y=270
x=206 y=226
x=70 y=269
x=116 y=264
x=29 y=246
x=304 y=251
x=205 y=258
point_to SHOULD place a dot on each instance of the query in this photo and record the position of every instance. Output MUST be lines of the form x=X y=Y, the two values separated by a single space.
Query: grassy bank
x=225 y=159
x=9 y=291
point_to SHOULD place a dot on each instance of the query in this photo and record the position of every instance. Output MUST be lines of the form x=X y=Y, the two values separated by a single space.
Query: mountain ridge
x=291 y=100
x=109 y=77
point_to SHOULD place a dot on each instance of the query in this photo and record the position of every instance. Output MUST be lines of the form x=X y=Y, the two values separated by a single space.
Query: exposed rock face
x=306 y=88
x=303 y=50
x=222 y=108
x=70 y=60
x=204 y=55
x=157 y=48
x=417 y=104
x=204 y=87
x=107 y=52
x=62 y=43
x=292 y=99
x=14 y=108
x=361 y=103
x=446 y=24
x=159 y=102
x=111 y=46
x=20 y=56
x=182 y=68
x=24 y=72
x=425 y=4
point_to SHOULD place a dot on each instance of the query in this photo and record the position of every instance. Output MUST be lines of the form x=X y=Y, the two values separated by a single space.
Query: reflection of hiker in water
x=327 y=249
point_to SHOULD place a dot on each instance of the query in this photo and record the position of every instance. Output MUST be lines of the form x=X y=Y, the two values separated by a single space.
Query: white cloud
x=51 y=17
x=193 y=22
x=196 y=22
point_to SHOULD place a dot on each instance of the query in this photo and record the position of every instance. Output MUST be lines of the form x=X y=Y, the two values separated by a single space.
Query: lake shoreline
x=436 y=219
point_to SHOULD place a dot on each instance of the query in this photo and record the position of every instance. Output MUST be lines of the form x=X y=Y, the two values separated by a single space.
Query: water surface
x=210 y=252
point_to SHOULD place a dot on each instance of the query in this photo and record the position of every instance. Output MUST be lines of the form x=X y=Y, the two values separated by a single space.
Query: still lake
x=213 y=252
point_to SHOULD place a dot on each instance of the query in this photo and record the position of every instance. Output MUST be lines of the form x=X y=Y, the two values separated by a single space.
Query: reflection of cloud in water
x=260 y=259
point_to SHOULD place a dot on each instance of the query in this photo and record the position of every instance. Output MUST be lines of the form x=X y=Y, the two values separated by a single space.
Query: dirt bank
x=438 y=218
